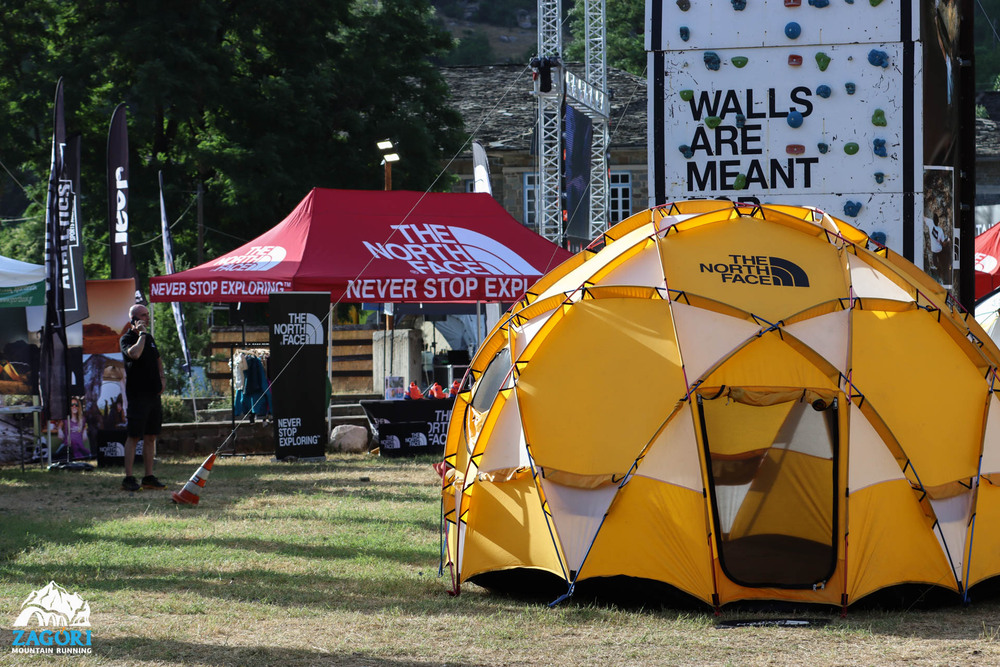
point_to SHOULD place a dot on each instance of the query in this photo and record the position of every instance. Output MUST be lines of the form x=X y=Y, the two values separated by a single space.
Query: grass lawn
x=337 y=563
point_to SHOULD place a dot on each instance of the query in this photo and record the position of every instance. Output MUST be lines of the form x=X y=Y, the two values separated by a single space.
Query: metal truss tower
x=553 y=83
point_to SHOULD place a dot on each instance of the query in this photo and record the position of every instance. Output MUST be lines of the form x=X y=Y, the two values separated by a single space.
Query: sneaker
x=129 y=484
x=150 y=482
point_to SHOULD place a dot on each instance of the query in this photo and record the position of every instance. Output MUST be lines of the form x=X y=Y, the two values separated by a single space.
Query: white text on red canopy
x=492 y=288
x=429 y=249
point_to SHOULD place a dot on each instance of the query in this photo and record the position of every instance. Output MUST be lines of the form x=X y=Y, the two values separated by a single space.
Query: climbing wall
x=812 y=102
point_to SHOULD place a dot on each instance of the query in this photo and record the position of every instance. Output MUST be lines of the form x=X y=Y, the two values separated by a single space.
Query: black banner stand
x=297 y=370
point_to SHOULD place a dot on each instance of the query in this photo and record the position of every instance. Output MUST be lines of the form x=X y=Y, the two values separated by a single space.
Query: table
x=19 y=412
x=410 y=427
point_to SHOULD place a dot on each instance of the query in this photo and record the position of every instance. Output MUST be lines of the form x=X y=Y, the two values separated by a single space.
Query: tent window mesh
x=491 y=382
x=773 y=481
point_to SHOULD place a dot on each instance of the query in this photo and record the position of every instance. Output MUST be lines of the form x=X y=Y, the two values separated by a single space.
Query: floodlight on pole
x=388 y=159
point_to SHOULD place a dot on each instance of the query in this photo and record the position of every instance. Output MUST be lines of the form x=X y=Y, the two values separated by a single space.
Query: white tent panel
x=704 y=337
x=953 y=520
x=990 y=463
x=870 y=461
x=673 y=456
x=577 y=514
x=507 y=448
x=868 y=283
x=827 y=336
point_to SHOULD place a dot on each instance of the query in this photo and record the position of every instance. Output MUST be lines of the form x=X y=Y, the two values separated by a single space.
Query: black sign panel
x=409 y=428
x=111 y=448
x=297 y=370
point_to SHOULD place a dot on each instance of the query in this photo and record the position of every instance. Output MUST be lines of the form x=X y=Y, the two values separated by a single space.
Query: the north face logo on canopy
x=256 y=258
x=440 y=249
x=757 y=270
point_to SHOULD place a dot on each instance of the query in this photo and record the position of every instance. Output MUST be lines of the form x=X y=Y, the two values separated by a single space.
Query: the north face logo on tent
x=758 y=270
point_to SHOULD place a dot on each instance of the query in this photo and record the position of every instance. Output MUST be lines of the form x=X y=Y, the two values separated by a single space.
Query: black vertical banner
x=53 y=375
x=71 y=225
x=122 y=260
x=297 y=370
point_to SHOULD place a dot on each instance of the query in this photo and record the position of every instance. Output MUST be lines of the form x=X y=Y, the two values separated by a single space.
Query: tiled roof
x=987 y=138
x=500 y=112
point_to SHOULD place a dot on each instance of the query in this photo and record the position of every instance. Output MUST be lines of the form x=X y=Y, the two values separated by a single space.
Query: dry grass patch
x=337 y=563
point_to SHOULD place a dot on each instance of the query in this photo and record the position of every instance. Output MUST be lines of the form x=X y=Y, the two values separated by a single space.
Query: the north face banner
x=297 y=369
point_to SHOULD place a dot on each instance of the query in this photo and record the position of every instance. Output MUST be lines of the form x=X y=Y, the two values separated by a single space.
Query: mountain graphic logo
x=301 y=329
x=757 y=270
x=54 y=606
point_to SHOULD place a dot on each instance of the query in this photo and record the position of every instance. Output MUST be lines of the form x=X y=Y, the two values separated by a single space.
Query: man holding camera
x=143 y=386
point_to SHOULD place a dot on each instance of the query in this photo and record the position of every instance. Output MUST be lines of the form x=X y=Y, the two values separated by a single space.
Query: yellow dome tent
x=739 y=402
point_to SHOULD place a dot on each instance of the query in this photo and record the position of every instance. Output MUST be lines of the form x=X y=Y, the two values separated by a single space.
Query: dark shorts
x=143 y=416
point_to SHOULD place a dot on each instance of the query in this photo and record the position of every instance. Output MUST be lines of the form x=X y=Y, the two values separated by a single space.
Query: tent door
x=773 y=480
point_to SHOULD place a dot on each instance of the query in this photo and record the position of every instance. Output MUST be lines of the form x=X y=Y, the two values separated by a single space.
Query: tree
x=625 y=47
x=255 y=100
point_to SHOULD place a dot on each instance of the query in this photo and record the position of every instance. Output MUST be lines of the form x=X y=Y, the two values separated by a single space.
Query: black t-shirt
x=142 y=375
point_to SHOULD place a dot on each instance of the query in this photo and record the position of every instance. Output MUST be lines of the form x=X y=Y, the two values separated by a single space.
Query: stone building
x=500 y=112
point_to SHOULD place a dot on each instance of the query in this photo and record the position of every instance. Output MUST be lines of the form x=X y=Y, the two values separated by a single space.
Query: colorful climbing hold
x=739 y=5
x=823 y=61
x=792 y=30
x=794 y=60
x=852 y=208
x=685 y=33
x=851 y=148
x=686 y=151
x=713 y=121
x=740 y=61
x=795 y=149
x=819 y=4
x=878 y=58
x=878 y=237
x=793 y=3
x=823 y=148
x=684 y=5
x=879 y=177
x=823 y=91
x=740 y=182
x=874 y=3
x=712 y=61
x=687 y=95
x=741 y=120
x=850 y=87
x=878 y=118
x=794 y=118
x=879 y=147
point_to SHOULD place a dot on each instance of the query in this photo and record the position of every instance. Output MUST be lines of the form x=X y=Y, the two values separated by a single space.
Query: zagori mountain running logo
x=758 y=270
x=436 y=249
x=300 y=329
x=53 y=606
x=256 y=258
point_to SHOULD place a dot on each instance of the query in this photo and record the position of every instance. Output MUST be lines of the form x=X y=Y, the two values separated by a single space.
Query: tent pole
x=329 y=368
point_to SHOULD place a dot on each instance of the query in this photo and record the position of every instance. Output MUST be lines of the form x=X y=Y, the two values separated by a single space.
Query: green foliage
x=473 y=49
x=625 y=48
x=256 y=101
x=987 y=43
x=176 y=409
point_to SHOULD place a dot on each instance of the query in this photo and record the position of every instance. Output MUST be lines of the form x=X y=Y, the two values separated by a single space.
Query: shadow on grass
x=178 y=652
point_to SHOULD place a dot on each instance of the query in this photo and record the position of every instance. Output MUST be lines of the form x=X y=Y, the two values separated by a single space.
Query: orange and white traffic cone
x=189 y=495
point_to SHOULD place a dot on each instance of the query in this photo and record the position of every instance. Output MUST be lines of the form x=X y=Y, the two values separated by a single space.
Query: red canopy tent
x=377 y=246
x=988 y=261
